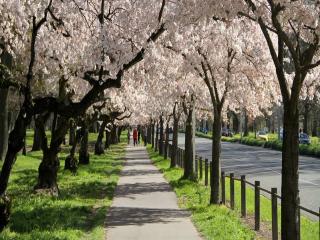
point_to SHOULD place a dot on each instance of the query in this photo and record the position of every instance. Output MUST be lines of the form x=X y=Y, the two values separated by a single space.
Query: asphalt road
x=264 y=165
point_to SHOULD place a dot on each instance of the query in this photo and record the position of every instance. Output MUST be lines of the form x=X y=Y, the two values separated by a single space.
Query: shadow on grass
x=51 y=218
x=89 y=190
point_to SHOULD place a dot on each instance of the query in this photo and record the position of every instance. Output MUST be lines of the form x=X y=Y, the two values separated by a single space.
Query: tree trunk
x=108 y=139
x=114 y=135
x=119 y=133
x=216 y=166
x=4 y=131
x=290 y=175
x=98 y=147
x=48 y=171
x=245 y=127
x=189 y=158
x=37 y=140
x=71 y=162
x=166 y=146
x=173 y=162
x=157 y=137
x=149 y=134
x=49 y=166
x=161 y=136
x=84 y=157
x=72 y=132
x=306 y=118
x=152 y=135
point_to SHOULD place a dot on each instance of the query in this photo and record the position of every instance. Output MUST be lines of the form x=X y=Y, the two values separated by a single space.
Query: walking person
x=135 y=137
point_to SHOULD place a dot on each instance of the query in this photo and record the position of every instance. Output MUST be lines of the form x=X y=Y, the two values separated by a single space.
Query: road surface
x=264 y=165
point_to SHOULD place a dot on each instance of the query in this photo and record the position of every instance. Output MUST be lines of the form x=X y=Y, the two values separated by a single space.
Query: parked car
x=262 y=135
x=304 y=138
x=226 y=132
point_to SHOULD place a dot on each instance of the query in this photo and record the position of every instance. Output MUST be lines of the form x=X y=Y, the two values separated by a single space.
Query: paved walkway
x=144 y=206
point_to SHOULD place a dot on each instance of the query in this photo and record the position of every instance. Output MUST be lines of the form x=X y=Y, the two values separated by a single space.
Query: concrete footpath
x=144 y=205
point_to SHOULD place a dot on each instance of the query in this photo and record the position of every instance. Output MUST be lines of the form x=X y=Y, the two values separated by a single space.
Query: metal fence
x=202 y=166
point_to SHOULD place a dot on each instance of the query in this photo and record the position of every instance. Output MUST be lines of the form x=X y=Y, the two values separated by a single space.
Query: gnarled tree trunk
x=98 y=147
x=72 y=132
x=84 y=157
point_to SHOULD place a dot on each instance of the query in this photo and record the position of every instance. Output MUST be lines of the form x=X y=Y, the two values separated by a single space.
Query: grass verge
x=78 y=213
x=214 y=222
x=219 y=222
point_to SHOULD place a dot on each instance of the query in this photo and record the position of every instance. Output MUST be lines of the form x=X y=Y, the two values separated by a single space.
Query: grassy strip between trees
x=309 y=150
x=214 y=222
x=80 y=210
x=219 y=222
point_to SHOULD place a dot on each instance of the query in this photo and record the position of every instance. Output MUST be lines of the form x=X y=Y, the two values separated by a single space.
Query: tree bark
x=245 y=127
x=157 y=137
x=72 y=132
x=71 y=162
x=84 y=157
x=161 y=136
x=49 y=166
x=99 y=148
x=216 y=166
x=120 y=128
x=108 y=139
x=114 y=135
x=166 y=146
x=189 y=158
x=149 y=134
x=152 y=135
x=4 y=131
x=173 y=162
x=290 y=176
x=37 y=140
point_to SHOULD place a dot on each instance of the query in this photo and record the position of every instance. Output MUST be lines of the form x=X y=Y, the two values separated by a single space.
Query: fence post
x=257 y=205
x=232 y=190
x=243 y=196
x=206 y=172
x=200 y=165
x=274 y=204
x=223 y=188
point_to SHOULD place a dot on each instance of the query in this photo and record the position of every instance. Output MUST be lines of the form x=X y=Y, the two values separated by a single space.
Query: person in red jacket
x=135 y=137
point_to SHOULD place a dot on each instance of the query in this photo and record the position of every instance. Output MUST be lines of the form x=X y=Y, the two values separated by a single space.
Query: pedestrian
x=135 y=137
x=128 y=135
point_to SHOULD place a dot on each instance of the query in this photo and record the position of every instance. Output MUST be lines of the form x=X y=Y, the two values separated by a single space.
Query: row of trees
x=64 y=58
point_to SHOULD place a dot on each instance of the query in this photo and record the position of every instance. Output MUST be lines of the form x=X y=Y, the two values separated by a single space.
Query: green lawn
x=208 y=218
x=78 y=213
x=214 y=222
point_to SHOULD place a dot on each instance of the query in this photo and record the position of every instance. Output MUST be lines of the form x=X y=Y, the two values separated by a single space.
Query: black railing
x=203 y=165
